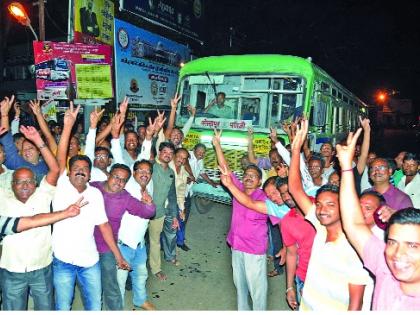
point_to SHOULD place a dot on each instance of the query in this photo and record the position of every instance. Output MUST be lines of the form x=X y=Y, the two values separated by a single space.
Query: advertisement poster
x=184 y=16
x=94 y=21
x=67 y=71
x=146 y=66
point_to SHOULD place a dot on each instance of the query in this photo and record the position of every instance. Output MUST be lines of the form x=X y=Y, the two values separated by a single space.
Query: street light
x=19 y=13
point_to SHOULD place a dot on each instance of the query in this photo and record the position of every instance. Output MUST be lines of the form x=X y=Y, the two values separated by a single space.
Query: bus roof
x=249 y=64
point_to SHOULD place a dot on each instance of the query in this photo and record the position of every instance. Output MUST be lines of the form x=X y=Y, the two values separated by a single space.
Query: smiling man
x=396 y=263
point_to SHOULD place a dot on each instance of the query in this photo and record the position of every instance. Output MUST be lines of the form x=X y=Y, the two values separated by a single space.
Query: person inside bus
x=218 y=108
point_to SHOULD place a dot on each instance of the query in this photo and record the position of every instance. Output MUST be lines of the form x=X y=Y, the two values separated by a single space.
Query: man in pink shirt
x=396 y=263
x=247 y=237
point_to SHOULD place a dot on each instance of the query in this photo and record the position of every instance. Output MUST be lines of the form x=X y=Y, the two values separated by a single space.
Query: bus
x=262 y=91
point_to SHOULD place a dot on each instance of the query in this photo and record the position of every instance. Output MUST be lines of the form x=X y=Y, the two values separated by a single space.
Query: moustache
x=80 y=174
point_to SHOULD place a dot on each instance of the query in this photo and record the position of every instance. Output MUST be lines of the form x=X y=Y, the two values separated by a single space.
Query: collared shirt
x=332 y=267
x=6 y=180
x=388 y=294
x=164 y=192
x=29 y=250
x=197 y=168
x=72 y=239
x=115 y=206
x=248 y=228
x=296 y=230
x=133 y=228
x=412 y=189
x=396 y=198
x=180 y=184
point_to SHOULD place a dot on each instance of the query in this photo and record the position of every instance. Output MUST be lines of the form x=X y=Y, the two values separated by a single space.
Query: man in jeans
x=75 y=254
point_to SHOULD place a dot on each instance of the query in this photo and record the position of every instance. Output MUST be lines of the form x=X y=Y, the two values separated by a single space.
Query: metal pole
x=33 y=32
x=41 y=20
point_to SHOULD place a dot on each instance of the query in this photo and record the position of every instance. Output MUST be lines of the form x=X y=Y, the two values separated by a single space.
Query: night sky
x=364 y=44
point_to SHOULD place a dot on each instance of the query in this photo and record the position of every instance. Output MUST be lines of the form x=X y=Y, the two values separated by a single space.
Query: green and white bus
x=262 y=91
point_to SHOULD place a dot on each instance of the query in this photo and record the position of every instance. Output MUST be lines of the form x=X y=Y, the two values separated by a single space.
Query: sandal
x=161 y=276
x=273 y=273
x=175 y=262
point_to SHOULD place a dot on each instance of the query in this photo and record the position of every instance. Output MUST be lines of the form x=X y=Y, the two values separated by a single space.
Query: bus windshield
x=249 y=100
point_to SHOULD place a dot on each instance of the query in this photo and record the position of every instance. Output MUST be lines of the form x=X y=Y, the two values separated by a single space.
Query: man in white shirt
x=410 y=182
x=75 y=254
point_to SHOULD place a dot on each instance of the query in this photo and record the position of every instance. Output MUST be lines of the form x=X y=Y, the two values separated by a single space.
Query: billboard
x=184 y=16
x=94 y=21
x=146 y=65
x=67 y=71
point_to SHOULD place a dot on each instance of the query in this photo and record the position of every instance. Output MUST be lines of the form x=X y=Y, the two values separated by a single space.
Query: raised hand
x=116 y=125
x=31 y=134
x=160 y=120
x=151 y=128
x=192 y=110
x=365 y=123
x=123 y=106
x=35 y=106
x=174 y=101
x=217 y=136
x=345 y=153
x=273 y=135
x=250 y=133
x=95 y=117
x=300 y=136
x=225 y=176
x=70 y=115
x=6 y=104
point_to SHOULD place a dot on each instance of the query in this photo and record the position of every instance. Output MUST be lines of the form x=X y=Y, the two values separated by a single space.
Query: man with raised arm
x=335 y=279
x=75 y=254
x=247 y=237
x=396 y=263
x=26 y=257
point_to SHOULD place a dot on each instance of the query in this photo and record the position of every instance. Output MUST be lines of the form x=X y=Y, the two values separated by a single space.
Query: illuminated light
x=18 y=12
x=181 y=64
x=382 y=96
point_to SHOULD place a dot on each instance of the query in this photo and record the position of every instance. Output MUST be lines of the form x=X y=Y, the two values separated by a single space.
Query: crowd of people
x=102 y=208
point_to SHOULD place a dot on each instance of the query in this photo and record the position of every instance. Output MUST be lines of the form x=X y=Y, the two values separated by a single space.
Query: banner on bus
x=94 y=21
x=146 y=65
x=184 y=16
x=68 y=71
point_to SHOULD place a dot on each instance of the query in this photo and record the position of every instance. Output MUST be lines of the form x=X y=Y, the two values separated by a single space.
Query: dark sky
x=364 y=44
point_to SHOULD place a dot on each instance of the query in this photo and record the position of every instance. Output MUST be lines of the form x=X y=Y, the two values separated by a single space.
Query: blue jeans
x=137 y=259
x=299 y=288
x=180 y=233
x=250 y=277
x=110 y=289
x=16 y=285
x=88 y=278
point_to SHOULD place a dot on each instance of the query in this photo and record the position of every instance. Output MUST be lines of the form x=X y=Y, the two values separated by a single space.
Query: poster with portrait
x=183 y=16
x=68 y=71
x=94 y=21
x=146 y=65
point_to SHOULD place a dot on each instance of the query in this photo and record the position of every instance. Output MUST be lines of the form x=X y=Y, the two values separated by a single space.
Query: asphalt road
x=203 y=281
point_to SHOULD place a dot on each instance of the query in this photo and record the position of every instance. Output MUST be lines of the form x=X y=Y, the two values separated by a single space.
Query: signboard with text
x=146 y=65
x=67 y=71
x=184 y=16
x=94 y=21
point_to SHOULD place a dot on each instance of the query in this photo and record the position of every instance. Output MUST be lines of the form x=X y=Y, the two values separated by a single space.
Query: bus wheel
x=202 y=205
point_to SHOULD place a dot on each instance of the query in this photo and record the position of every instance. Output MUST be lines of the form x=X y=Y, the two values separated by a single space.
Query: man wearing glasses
x=380 y=173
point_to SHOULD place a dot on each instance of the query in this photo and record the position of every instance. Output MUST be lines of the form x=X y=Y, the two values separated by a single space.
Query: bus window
x=275 y=101
x=253 y=84
x=288 y=107
x=334 y=92
x=325 y=87
x=250 y=110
